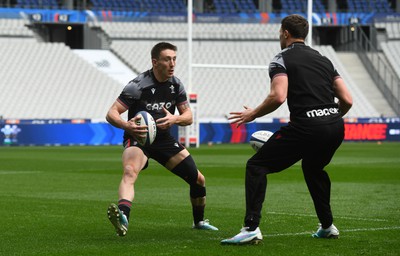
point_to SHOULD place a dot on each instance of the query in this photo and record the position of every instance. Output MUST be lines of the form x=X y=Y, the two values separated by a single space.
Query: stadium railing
x=382 y=73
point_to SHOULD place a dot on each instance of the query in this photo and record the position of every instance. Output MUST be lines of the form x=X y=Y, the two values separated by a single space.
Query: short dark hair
x=158 y=48
x=296 y=25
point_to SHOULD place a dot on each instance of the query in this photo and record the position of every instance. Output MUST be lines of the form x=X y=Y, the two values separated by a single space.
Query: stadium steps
x=361 y=77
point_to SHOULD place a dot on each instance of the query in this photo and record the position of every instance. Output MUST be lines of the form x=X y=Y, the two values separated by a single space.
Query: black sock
x=252 y=225
x=252 y=228
x=198 y=213
x=125 y=206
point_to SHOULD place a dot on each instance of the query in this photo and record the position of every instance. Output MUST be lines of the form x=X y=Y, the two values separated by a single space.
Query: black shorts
x=163 y=148
x=314 y=145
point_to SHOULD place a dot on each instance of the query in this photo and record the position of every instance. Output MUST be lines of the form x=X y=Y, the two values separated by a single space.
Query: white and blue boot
x=118 y=219
x=331 y=232
x=245 y=237
x=204 y=225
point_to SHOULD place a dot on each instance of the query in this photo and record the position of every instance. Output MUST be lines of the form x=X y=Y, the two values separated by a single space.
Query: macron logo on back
x=322 y=112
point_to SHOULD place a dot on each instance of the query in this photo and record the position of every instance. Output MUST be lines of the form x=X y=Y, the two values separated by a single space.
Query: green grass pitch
x=54 y=202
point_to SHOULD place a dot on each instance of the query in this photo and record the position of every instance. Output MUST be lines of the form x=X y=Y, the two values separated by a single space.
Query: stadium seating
x=378 y=6
x=14 y=27
x=47 y=80
x=246 y=6
x=234 y=6
x=218 y=6
x=391 y=50
x=363 y=106
x=37 y=4
x=224 y=7
x=293 y=6
x=215 y=31
x=229 y=86
x=392 y=30
x=227 y=44
x=157 y=6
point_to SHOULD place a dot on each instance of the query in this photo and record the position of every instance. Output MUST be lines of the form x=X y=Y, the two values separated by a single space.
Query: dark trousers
x=314 y=146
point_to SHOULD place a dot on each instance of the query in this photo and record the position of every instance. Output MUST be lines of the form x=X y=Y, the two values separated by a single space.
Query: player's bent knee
x=201 y=180
x=187 y=170
x=128 y=168
x=129 y=174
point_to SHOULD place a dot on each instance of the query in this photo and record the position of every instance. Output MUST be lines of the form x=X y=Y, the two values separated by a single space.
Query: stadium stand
x=246 y=6
x=211 y=84
x=391 y=50
x=36 y=4
x=174 y=30
x=211 y=6
x=292 y=6
x=157 y=6
x=392 y=30
x=14 y=27
x=235 y=6
x=231 y=86
x=222 y=6
x=214 y=43
x=378 y=6
x=364 y=105
x=47 y=80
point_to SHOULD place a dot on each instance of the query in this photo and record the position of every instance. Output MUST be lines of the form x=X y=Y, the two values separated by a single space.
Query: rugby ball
x=258 y=138
x=147 y=119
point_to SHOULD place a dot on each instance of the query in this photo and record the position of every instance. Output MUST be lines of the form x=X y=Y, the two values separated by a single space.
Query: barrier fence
x=85 y=132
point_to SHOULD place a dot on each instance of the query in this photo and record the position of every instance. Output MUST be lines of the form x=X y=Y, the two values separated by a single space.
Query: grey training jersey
x=145 y=93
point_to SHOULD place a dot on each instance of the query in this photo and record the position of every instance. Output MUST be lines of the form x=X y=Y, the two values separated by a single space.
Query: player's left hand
x=167 y=121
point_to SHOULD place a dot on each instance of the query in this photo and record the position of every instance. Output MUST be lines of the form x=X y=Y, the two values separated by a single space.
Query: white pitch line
x=5 y=172
x=336 y=217
x=344 y=231
x=371 y=229
x=288 y=234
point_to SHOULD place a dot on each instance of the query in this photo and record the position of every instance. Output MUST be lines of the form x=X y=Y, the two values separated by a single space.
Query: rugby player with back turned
x=310 y=84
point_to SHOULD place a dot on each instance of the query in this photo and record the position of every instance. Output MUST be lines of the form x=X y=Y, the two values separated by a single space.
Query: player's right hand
x=136 y=130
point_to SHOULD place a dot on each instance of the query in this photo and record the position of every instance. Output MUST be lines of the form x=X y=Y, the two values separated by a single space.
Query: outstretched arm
x=276 y=97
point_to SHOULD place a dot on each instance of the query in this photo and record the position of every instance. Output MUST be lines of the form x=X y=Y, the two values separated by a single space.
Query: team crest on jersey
x=153 y=90
x=172 y=88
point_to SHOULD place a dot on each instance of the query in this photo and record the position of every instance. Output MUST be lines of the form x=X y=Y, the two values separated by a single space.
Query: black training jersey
x=311 y=99
x=145 y=93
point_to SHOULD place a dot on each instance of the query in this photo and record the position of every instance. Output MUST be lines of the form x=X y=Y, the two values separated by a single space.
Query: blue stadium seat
x=378 y=6
x=116 y=5
x=35 y=4
x=247 y=6
x=224 y=6
x=361 y=6
x=301 y=6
